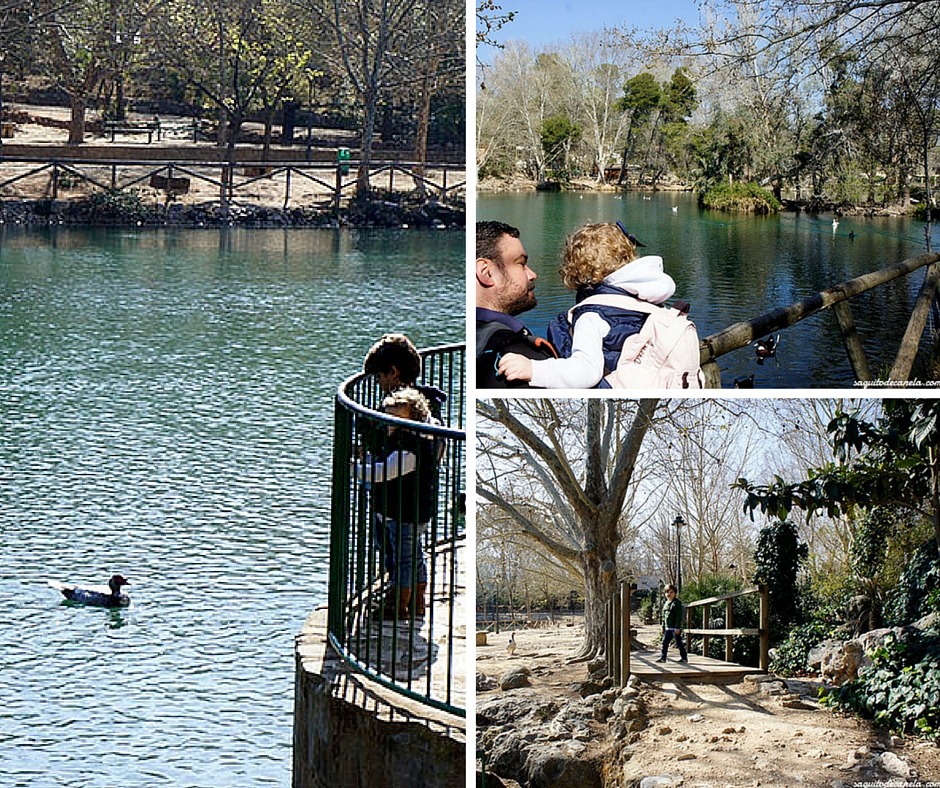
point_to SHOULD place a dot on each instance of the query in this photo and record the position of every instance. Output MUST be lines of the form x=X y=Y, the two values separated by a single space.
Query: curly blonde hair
x=593 y=252
x=412 y=399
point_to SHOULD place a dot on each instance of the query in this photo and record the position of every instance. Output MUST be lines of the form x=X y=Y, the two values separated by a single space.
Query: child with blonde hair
x=404 y=489
x=617 y=293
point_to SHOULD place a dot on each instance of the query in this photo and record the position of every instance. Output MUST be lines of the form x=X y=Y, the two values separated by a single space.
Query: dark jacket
x=411 y=498
x=672 y=614
x=497 y=334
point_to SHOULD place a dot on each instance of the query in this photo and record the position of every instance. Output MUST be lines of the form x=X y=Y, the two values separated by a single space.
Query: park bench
x=172 y=186
x=115 y=127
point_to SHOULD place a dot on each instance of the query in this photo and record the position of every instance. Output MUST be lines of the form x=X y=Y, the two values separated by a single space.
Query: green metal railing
x=413 y=654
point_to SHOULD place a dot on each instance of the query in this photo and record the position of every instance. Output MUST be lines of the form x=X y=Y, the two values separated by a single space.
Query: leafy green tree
x=893 y=461
x=558 y=134
x=777 y=560
x=642 y=97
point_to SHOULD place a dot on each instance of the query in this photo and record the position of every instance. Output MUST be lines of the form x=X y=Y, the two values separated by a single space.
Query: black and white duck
x=96 y=596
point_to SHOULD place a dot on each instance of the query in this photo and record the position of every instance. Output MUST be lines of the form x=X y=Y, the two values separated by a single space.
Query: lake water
x=166 y=404
x=732 y=267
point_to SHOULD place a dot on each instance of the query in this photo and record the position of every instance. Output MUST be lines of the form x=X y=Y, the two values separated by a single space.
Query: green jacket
x=672 y=614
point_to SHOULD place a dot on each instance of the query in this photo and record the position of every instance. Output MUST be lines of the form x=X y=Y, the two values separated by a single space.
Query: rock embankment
x=112 y=211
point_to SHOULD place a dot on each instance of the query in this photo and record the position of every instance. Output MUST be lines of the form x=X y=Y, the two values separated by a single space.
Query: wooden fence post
x=850 y=338
x=617 y=640
x=729 y=624
x=706 y=620
x=901 y=370
x=626 y=645
x=764 y=628
x=609 y=619
x=339 y=187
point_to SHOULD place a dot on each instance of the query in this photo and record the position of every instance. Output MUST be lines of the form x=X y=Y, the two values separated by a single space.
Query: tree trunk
x=598 y=563
x=268 y=132
x=424 y=125
x=365 y=153
x=77 y=118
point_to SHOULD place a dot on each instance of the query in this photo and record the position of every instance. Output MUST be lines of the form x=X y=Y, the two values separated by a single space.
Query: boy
x=672 y=624
x=617 y=292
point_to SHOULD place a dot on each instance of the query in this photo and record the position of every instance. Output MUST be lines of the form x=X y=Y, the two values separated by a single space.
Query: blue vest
x=623 y=323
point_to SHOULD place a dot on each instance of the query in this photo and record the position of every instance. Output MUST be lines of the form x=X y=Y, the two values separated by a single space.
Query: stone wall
x=352 y=733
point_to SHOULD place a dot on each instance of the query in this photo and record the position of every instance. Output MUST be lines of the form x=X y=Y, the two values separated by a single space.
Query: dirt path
x=711 y=735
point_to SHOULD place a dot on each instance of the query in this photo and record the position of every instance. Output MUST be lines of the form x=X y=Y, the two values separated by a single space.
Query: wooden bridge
x=622 y=659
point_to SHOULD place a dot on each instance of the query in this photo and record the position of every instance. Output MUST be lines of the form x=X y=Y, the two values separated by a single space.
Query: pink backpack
x=664 y=354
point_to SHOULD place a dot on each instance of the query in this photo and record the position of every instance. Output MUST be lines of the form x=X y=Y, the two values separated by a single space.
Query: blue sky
x=542 y=22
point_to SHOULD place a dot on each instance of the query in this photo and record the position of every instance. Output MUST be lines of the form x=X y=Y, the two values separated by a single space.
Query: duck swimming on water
x=96 y=596
x=767 y=348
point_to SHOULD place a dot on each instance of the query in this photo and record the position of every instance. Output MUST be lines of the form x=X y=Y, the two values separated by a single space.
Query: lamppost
x=678 y=523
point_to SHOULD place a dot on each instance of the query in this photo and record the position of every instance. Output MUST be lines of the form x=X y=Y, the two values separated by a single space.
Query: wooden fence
x=329 y=181
x=741 y=334
x=728 y=631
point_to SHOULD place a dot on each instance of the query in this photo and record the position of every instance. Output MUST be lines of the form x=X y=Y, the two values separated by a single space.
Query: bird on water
x=767 y=348
x=96 y=596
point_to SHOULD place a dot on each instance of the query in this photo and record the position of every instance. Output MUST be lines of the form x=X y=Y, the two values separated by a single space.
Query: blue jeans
x=402 y=556
x=669 y=635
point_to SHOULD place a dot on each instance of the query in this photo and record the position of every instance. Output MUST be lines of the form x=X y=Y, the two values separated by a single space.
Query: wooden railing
x=332 y=180
x=617 y=611
x=744 y=333
x=729 y=632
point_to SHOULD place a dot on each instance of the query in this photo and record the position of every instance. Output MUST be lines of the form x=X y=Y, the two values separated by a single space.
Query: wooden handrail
x=744 y=333
x=734 y=594
x=763 y=631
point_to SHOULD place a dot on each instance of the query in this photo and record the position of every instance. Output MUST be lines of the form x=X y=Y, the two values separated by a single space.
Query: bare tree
x=561 y=471
x=367 y=33
x=597 y=67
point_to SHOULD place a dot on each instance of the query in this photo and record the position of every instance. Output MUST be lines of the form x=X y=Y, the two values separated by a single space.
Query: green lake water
x=732 y=267
x=166 y=404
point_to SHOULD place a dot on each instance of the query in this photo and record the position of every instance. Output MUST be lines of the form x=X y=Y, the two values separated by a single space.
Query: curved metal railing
x=418 y=656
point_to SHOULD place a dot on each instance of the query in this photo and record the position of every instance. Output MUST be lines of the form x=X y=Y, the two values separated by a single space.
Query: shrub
x=910 y=600
x=120 y=206
x=900 y=690
x=790 y=656
x=746 y=197
x=919 y=212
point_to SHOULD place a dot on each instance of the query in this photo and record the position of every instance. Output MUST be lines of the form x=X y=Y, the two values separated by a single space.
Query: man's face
x=670 y=594
x=389 y=381
x=514 y=280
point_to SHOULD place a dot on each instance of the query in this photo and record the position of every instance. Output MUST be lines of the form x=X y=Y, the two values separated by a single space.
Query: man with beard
x=505 y=288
